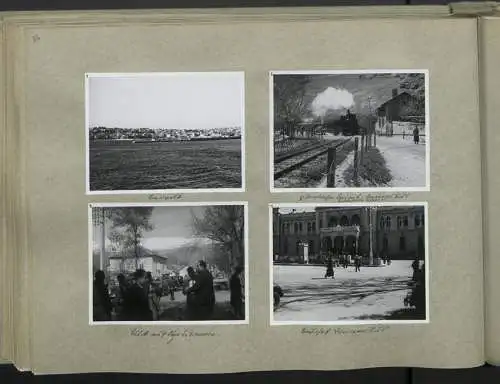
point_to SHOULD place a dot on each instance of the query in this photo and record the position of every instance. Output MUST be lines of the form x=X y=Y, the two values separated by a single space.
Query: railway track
x=289 y=163
x=278 y=159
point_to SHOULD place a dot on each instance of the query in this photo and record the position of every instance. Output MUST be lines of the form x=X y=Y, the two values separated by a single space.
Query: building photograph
x=345 y=263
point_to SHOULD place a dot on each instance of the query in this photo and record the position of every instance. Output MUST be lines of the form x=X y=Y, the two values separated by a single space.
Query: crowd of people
x=138 y=298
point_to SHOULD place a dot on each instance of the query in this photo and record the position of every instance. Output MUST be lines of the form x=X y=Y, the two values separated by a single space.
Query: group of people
x=200 y=293
x=343 y=261
x=138 y=299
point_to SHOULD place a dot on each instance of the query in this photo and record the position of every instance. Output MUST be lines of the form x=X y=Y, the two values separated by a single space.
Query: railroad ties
x=289 y=162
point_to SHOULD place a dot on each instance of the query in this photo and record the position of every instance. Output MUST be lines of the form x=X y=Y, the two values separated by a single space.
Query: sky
x=180 y=101
x=361 y=93
x=172 y=228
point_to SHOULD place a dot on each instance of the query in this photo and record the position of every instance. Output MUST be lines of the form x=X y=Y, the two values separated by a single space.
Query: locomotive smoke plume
x=332 y=99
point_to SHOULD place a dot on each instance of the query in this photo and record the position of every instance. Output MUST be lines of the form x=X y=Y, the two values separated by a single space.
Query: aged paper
x=53 y=143
x=489 y=57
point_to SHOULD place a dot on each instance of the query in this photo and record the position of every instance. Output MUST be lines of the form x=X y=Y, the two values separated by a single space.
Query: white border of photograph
x=425 y=188
x=169 y=323
x=352 y=322
x=88 y=75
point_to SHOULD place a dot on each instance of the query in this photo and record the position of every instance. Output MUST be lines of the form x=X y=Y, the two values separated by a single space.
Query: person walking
x=416 y=136
x=236 y=289
x=357 y=263
x=329 y=268
x=102 y=307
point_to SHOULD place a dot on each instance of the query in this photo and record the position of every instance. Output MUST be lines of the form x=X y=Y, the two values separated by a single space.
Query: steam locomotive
x=346 y=125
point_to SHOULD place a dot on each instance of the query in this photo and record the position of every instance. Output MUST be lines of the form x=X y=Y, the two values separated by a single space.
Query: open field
x=165 y=165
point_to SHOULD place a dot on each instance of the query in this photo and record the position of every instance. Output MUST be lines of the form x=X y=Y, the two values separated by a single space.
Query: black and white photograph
x=349 y=130
x=349 y=264
x=168 y=263
x=165 y=132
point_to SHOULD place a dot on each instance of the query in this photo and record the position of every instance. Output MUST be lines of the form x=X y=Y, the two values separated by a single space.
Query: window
x=300 y=226
x=321 y=223
x=296 y=227
x=355 y=220
x=382 y=222
x=311 y=247
x=402 y=243
x=344 y=221
x=417 y=220
x=400 y=221
x=388 y=222
x=332 y=222
x=314 y=226
x=405 y=221
x=309 y=227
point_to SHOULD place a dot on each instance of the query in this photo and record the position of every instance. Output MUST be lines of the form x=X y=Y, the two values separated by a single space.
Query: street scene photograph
x=166 y=131
x=334 y=129
x=168 y=263
x=349 y=264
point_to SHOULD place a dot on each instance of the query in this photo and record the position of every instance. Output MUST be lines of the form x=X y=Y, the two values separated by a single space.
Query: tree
x=128 y=226
x=225 y=225
x=289 y=102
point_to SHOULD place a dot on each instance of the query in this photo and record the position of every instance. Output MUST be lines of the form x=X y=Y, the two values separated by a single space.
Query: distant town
x=149 y=134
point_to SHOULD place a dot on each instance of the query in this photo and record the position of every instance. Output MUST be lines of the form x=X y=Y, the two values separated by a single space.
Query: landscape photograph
x=160 y=132
x=349 y=130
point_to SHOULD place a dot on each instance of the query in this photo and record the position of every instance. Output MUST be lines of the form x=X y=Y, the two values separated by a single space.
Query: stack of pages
x=212 y=191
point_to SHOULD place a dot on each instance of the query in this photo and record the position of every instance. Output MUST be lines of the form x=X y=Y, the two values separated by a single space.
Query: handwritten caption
x=314 y=331
x=357 y=197
x=165 y=196
x=171 y=334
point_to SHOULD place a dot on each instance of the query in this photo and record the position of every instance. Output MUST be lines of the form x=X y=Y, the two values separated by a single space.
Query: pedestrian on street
x=357 y=263
x=329 y=268
x=416 y=136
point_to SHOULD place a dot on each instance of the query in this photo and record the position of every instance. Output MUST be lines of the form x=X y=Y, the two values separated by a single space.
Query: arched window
x=332 y=222
x=355 y=220
x=344 y=221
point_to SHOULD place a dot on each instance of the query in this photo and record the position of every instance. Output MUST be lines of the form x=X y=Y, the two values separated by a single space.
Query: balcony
x=339 y=229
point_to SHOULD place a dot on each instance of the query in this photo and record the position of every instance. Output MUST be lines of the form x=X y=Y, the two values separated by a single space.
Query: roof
x=399 y=96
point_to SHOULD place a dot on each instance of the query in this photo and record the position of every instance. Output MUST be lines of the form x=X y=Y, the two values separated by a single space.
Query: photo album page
x=228 y=191
x=490 y=99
